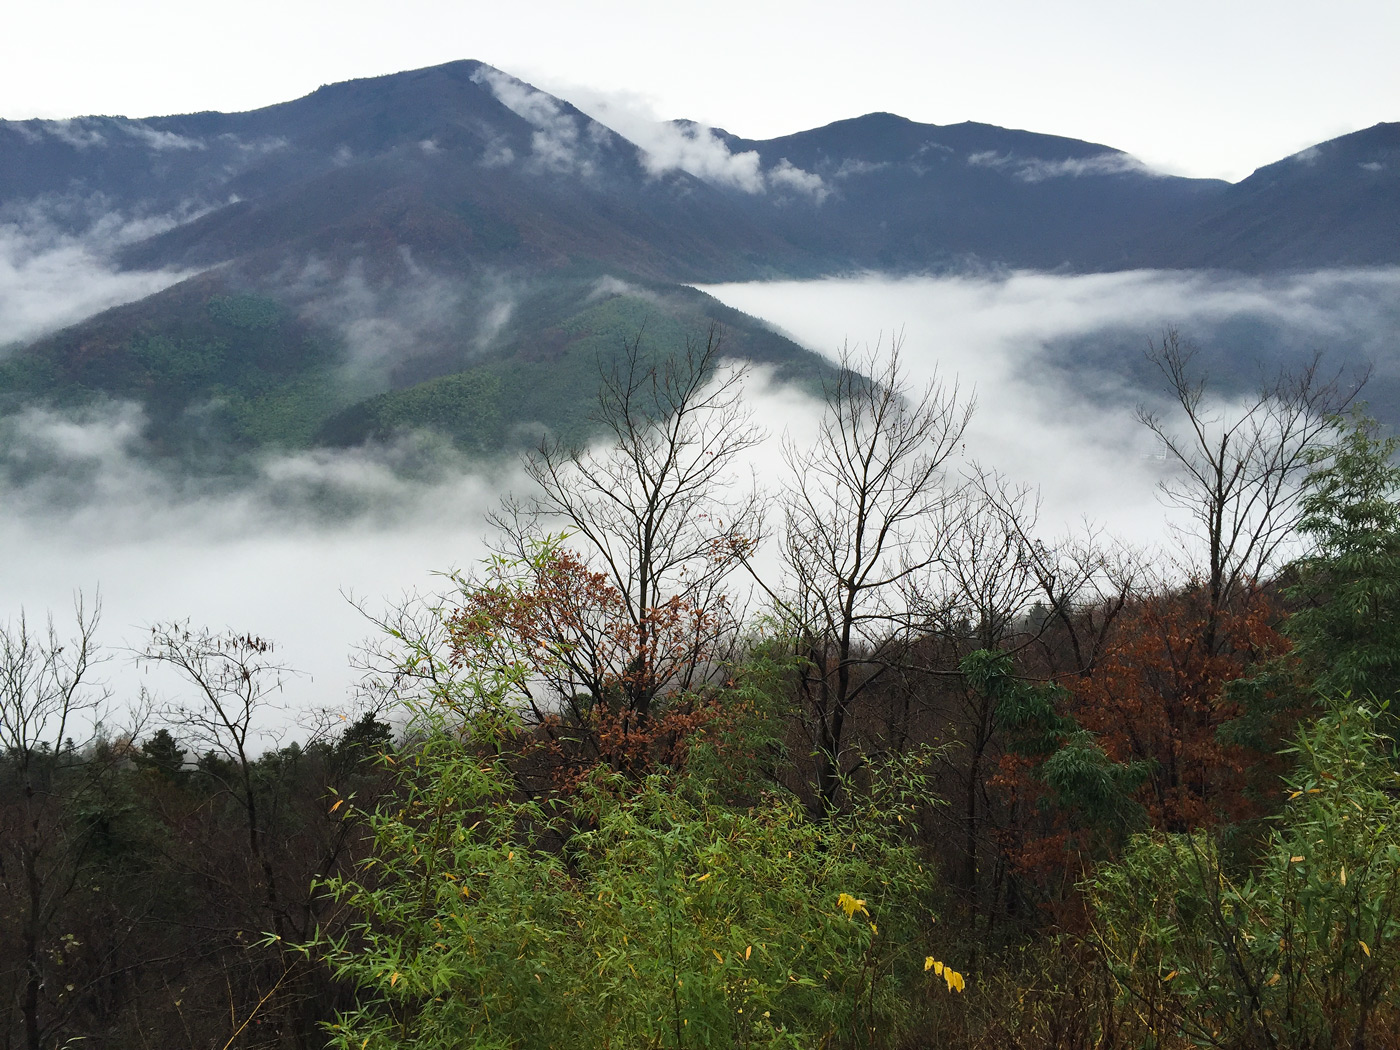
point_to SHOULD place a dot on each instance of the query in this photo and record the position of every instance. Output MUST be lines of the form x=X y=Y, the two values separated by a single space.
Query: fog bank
x=1058 y=363
x=1055 y=362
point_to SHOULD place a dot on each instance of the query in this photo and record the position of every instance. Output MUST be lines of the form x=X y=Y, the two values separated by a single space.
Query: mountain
x=909 y=196
x=1333 y=204
x=452 y=247
x=462 y=162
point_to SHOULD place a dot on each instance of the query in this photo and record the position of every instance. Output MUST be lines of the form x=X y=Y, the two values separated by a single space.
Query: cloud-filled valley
x=453 y=251
x=273 y=550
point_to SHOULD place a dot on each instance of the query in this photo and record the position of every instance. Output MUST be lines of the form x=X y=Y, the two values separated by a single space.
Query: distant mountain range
x=452 y=246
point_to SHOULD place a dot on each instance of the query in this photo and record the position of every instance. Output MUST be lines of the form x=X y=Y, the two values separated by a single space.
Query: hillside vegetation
x=953 y=783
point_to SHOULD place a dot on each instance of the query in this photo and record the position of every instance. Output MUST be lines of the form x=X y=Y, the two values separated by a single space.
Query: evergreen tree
x=1348 y=635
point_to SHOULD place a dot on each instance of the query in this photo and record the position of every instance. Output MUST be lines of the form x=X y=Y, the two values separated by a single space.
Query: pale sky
x=1196 y=87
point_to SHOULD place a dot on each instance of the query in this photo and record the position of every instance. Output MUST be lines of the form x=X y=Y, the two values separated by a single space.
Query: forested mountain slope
x=455 y=223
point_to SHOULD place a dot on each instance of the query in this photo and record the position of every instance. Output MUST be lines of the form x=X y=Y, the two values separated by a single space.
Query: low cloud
x=82 y=505
x=161 y=140
x=695 y=148
x=700 y=151
x=254 y=147
x=562 y=142
x=608 y=286
x=1058 y=366
x=78 y=132
x=852 y=167
x=273 y=553
x=1035 y=169
x=85 y=133
x=388 y=326
x=788 y=176
x=55 y=263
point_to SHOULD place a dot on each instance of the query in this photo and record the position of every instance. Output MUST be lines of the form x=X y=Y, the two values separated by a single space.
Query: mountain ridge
x=328 y=216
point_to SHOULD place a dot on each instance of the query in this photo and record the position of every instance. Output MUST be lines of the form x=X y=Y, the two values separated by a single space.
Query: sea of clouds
x=1055 y=363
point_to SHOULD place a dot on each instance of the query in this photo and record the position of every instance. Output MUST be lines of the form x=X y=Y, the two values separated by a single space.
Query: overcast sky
x=1198 y=87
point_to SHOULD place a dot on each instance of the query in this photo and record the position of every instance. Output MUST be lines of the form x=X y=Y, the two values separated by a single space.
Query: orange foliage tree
x=1159 y=697
x=580 y=660
x=1138 y=739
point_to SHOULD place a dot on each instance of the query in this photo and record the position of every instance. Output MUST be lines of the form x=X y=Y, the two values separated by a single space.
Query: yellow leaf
x=337 y=805
x=705 y=876
x=394 y=979
x=510 y=855
x=1364 y=948
x=717 y=955
x=1273 y=980
x=1168 y=977
x=928 y=963
x=1342 y=877
x=747 y=952
x=1294 y=860
x=850 y=905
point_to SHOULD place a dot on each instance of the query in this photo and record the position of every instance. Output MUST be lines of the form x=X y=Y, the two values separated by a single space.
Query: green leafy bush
x=1300 y=950
x=628 y=914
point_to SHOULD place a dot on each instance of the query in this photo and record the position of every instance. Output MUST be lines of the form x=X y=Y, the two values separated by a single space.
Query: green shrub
x=1300 y=950
x=629 y=914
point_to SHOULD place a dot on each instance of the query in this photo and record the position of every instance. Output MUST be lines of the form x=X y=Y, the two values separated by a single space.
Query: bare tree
x=235 y=679
x=1075 y=585
x=46 y=696
x=1240 y=468
x=975 y=597
x=655 y=517
x=408 y=657
x=998 y=586
x=859 y=524
x=979 y=589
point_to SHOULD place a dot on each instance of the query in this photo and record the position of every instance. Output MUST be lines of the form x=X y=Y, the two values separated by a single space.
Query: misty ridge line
x=410 y=228
x=450 y=236
x=999 y=332
x=850 y=173
x=778 y=404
